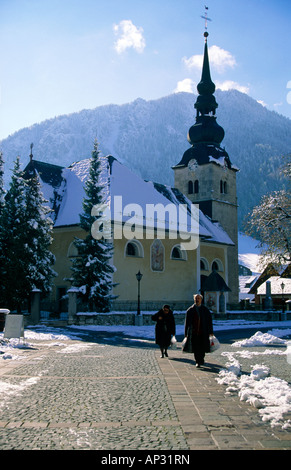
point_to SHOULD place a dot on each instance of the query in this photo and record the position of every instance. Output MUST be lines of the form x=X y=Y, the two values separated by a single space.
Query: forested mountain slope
x=151 y=137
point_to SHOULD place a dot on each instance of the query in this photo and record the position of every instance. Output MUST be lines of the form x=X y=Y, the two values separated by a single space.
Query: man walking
x=198 y=328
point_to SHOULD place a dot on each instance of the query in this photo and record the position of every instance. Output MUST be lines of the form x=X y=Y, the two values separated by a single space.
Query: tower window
x=190 y=187
x=223 y=187
x=196 y=187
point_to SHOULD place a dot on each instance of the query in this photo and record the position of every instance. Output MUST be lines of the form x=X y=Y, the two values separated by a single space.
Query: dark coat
x=205 y=324
x=165 y=328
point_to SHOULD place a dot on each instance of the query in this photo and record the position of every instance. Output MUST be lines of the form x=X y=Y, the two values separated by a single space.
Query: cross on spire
x=31 y=156
x=205 y=17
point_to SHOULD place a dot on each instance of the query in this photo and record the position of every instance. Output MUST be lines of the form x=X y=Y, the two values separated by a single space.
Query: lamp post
x=282 y=287
x=138 y=277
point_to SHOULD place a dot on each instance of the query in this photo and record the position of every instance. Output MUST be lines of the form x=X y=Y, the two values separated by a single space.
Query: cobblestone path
x=87 y=396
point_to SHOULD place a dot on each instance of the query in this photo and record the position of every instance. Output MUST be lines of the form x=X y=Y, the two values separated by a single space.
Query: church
x=176 y=257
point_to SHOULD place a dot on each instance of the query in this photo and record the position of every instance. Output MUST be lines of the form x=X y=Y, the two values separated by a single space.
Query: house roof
x=286 y=271
x=269 y=271
x=276 y=286
x=65 y=188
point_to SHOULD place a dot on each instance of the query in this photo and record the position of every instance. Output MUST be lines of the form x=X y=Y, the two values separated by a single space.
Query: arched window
x=196 y=186
x=214 y=266
x=190 y=187
x=178 y=253
x=72 y=251
x=131 y=249
x=204 y=266
x=223 y=187
x=134 y=249
x=217 y=265
x=157 y=256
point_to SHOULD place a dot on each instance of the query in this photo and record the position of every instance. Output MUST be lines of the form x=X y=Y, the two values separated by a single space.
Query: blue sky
x=62 y=56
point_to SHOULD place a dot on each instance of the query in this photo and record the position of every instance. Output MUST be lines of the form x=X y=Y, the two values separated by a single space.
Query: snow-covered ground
x=269 y=394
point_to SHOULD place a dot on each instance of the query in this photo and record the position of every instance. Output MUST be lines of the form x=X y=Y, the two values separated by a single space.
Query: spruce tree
x=2 y=190
x=38 y=238
x=92 y=272
x=13 y=273
x=25 y=238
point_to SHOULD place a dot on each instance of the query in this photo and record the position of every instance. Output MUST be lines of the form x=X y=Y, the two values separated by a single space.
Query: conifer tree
x=25 y=240
x=2 y=190
x=13 y=273
x=92 y=272
x=38 y=238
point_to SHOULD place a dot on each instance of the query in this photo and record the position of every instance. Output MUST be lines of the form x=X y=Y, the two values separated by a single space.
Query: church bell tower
x=206 y=175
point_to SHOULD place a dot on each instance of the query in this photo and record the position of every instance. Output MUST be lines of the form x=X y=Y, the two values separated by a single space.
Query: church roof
x=214 y=283
x=66 y=194
x=49 y=174
x=203 y=153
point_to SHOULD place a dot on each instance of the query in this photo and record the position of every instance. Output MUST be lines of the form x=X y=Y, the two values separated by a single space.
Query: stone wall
x=145 y=318
x=120 y=319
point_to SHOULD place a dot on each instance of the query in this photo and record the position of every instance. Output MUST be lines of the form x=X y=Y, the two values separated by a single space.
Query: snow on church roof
x=119 y=180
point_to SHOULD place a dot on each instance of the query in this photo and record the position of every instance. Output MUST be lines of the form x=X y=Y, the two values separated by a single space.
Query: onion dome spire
x=206 y=128
x=206 y=102
x=206 y=134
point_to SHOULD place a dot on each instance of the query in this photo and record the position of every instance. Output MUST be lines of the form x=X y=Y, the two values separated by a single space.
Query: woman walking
x=165 y=328
x=198 y=328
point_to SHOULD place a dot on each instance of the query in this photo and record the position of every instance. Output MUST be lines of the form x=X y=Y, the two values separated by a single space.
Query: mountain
x=151 y=136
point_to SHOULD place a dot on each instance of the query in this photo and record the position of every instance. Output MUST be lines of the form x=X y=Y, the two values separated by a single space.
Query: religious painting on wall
x=157 y=256
x=210 y=300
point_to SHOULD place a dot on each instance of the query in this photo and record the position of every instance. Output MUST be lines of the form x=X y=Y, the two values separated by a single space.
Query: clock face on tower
x=193 y=164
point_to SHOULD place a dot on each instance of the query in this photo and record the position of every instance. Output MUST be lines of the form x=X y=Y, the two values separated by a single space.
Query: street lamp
x=138 y=277
x=282 y=287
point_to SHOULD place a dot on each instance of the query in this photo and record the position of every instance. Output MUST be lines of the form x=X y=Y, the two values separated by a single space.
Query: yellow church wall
x=211 y=253
x=176 y=283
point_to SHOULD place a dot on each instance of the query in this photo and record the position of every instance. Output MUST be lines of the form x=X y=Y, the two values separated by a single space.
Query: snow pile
x=8 y=389
x=45 y=335
x=55 y=336
x=262 y=339
x=74 y=348
x=270 y=395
